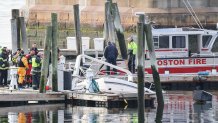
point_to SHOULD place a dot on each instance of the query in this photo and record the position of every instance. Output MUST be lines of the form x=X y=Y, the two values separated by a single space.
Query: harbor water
x=179 y=108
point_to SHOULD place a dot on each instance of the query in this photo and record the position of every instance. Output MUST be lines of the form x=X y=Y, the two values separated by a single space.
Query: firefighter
x=4 y=66
x=36 y=70
x=22 y=67
x=15 y=56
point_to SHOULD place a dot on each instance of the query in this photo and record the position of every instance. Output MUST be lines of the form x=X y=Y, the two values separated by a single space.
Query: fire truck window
x=178 y=41
x=206 y=40
x=164 y=42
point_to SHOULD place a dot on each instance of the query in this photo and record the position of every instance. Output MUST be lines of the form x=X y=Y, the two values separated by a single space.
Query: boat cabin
x=184 y=42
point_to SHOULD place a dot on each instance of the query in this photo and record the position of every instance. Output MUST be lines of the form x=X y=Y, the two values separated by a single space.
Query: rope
x=94 y=86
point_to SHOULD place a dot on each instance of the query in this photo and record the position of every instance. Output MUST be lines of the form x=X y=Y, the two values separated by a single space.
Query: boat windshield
x=215 y=46
x=206 y=40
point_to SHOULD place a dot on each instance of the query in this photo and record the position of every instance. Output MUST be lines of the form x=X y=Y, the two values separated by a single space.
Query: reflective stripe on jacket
x=4 y=65
x=34 y=63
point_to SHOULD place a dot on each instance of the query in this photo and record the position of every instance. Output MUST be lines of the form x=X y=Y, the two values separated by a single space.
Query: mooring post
x=43 y=117
x=23 y=35
x=110 y=22
x=156 y=76
x=14 y=35
x=15 y=15
x=106 y=33
x=140 y=68
x=77 y=28
x=119 y=31
x=54 y=55
x=45 y=61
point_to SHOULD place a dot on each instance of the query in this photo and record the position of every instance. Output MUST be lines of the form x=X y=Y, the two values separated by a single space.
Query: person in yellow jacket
x=22 y=67
x=132 y=49
x=21 y=118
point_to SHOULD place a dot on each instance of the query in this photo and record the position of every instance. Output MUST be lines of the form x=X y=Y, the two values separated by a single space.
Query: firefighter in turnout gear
x=4 y=66
x=22 y=67
x=36 y=70
x=15 y=56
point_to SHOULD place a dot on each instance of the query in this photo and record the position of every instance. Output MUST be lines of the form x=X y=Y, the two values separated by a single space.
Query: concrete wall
x=130 y=3
x=56 y=2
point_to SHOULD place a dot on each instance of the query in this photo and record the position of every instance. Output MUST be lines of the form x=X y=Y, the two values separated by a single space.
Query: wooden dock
x=185 y=81
x=110 y=100
x=29 y=96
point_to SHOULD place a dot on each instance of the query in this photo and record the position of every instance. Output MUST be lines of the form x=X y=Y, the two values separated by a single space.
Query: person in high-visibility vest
x=15 y=56
x=36 y=70
x=4 y=66
x=22 y=67
x=132 y=49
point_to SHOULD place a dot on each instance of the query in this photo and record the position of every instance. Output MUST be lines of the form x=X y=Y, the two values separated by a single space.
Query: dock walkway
x=28 y=96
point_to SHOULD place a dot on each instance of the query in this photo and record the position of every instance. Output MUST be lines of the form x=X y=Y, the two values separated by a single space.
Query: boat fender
x=203 y=73
x=199 y=79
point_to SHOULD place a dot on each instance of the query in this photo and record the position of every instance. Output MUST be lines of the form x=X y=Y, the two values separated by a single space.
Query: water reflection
x=178 y=108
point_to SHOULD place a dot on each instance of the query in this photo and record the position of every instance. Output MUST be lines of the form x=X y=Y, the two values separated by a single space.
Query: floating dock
x=110 y=100
x=185 y=81
x=29 y=96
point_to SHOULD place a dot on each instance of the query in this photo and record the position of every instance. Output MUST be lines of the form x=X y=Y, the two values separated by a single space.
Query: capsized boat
x=91 y=81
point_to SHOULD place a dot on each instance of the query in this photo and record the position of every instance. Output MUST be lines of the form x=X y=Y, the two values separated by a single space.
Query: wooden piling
x=45 y=61
x=77 y=28
x=156 y=76
x=42 y=117
x=54 y=56
x=105 y=33
x=110 y=22
x=14 y=35
x=23 y=35
x=119 y=31
x=140 y=68
x=15 y=14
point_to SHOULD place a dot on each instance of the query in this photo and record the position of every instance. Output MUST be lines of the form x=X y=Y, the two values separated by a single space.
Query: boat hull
x=181 y=65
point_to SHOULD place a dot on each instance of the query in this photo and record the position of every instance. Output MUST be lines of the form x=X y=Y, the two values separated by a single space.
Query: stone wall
x=164 y=13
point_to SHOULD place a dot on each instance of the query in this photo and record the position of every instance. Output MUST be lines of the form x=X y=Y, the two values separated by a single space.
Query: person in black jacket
x=4 y=66
x=111 y=53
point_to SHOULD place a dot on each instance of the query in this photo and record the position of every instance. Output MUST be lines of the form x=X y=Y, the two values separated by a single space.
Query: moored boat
x=184 y=50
